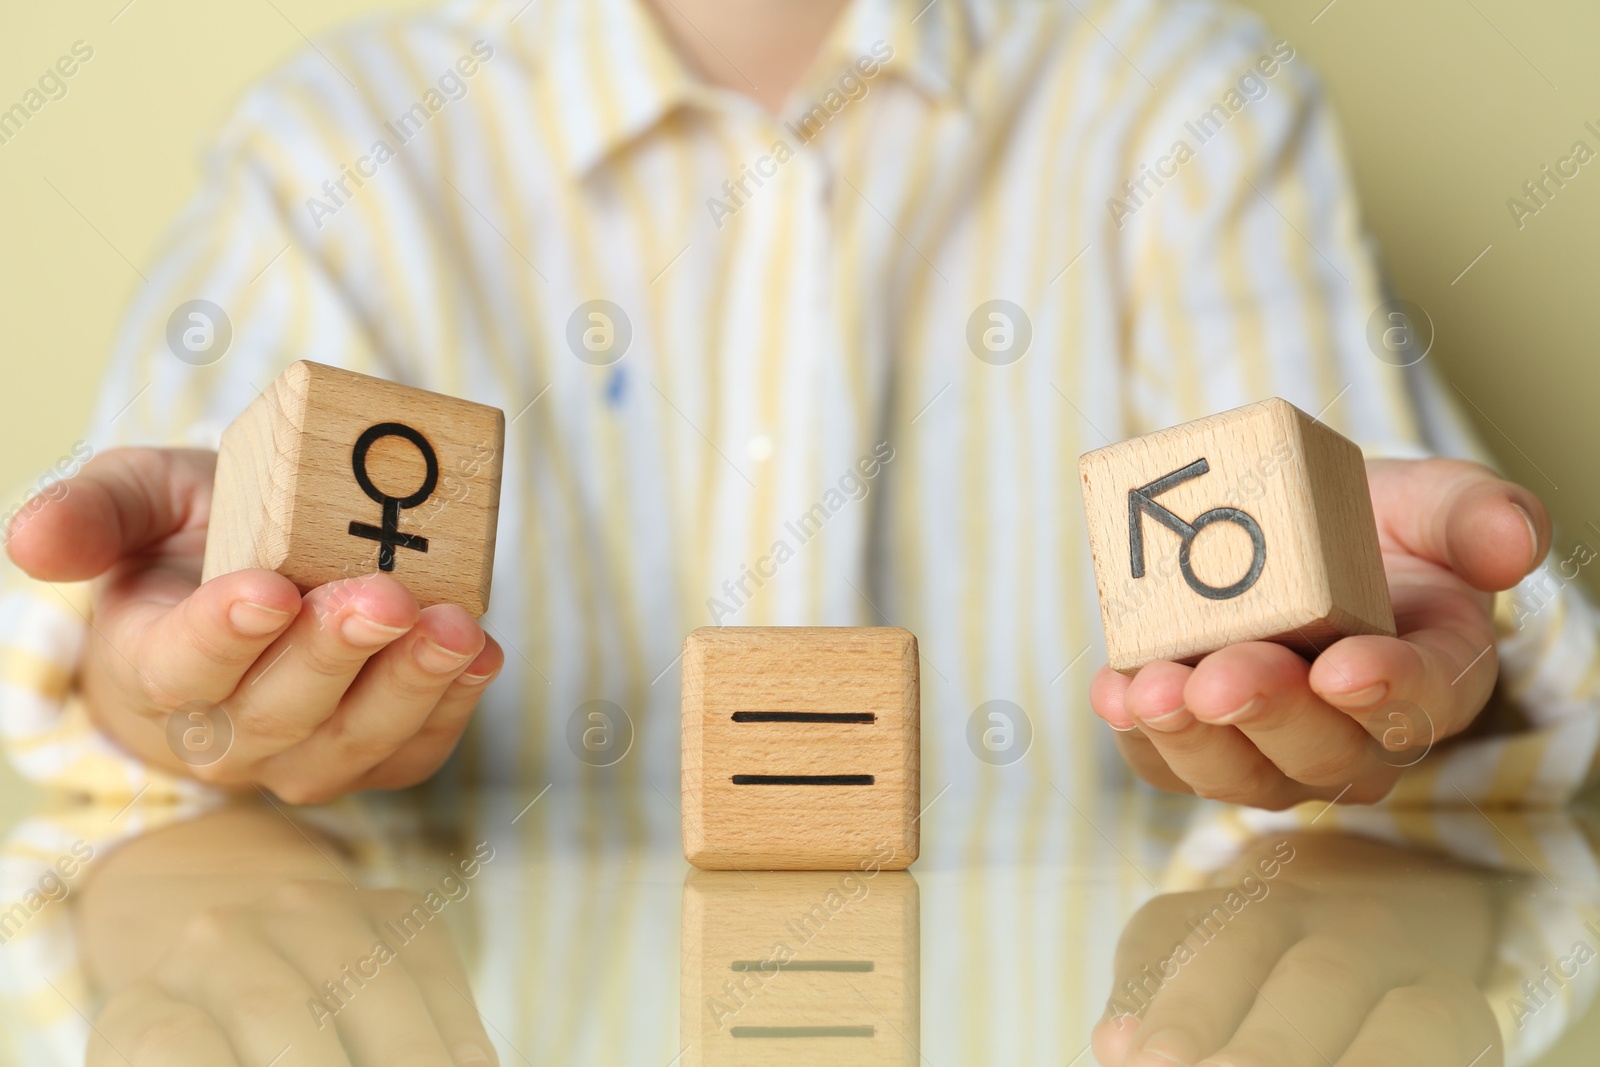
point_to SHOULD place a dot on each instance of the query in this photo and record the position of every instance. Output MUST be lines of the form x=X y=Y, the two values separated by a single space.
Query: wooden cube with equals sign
x=1255 y=524
x=787 y=967
x=801 y=748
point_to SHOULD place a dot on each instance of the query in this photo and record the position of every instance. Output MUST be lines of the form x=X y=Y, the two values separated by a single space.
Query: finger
x=298 y=681
x=422 y=755
x=1309 y=1009
x=1216 y=762
x=1154 y=699
x=223 y=965
x=434 y=965
x=1462 y=516
x=1134 y=743
x=1199 y=992
x=389 y=702
x=141 y=1026
x=198 y=647
x=1442 y=1021
x=1147 y=762
x=1107 y=692
x=1408 y=694
x=381 y=1015
x=1263 y=691
x=1190 y=997
x=1112 y=1040
x=121 y=502
x=455 y=1014
x=1444 y=661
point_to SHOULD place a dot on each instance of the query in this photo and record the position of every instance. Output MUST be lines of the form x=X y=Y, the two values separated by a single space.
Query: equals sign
x=858 y=966
x=802 y=1031
x=808 y=717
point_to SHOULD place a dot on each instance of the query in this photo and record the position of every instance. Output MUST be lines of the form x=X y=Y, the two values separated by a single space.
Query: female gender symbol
x=388 y=535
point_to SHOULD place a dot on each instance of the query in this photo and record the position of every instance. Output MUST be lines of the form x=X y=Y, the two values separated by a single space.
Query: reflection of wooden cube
x=330 y=474
x=801 y=967
x=800 y=747
x=1252 y=525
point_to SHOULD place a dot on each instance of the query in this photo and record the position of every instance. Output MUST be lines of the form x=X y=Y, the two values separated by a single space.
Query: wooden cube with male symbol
x=330 y=474
x=1255 y=524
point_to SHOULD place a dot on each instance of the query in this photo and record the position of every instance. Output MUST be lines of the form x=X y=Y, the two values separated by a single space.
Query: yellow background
x=1447 y=109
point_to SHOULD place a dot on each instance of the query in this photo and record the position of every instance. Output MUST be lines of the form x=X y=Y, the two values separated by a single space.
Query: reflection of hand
x=242 y=985
x=1368 y=975
x=350 y=687
x=209 y=966
x=1255 y=724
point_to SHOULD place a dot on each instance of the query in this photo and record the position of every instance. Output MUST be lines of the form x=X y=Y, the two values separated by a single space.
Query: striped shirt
x=832 y=366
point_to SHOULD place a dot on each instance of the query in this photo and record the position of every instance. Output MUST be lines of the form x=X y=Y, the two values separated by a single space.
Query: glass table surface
x=561 y=925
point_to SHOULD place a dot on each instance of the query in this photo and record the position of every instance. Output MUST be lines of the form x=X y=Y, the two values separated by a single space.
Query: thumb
x=121 y=503
x=1461 y=515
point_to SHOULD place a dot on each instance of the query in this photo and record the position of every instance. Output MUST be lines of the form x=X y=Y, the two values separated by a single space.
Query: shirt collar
x=611 y=73
x=615 y=76
x=930 y=44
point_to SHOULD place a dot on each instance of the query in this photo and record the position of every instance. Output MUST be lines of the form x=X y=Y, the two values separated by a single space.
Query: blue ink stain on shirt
x=617 y=387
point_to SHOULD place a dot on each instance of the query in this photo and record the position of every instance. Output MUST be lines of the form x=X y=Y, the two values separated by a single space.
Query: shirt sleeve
x=1249 y=275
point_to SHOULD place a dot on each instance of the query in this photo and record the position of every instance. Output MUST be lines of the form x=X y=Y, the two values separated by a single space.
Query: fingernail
x=1238 y=713
x=1128 y=729
x=475 y=679
x=255 y=619
x=1167 y=718
x=1362 y=698
x=1174 y=1046
x=360 y=630
x=436 y=659
x=1533 y=534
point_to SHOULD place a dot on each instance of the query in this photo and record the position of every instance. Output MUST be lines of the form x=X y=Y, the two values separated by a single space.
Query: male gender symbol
x=1141 y=504
x=388 y=535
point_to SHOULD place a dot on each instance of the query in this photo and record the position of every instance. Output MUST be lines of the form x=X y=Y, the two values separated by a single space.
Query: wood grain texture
x=1301 y=484
x=287 y=488
x=800 y=967
x=253 y=491
x=776 y=761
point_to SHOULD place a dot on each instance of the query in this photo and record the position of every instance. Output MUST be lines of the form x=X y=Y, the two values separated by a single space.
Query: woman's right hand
x=351 y=686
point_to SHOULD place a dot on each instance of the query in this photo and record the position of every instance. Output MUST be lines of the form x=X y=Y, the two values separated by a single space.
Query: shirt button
x=760 y=448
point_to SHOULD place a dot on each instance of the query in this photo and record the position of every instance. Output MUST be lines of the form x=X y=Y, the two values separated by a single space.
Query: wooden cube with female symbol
x=330 y=474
